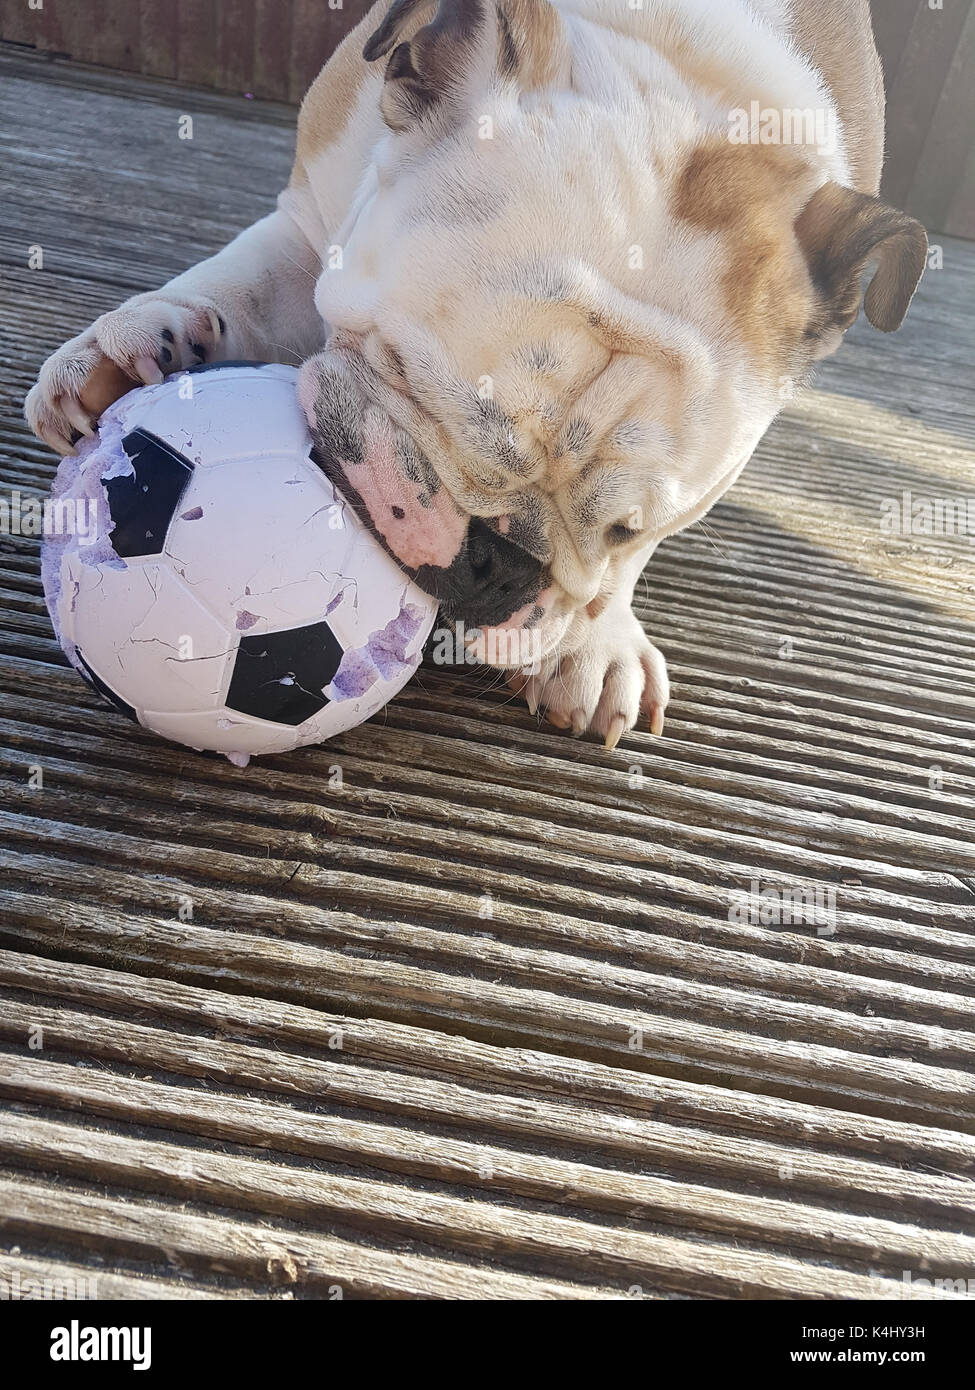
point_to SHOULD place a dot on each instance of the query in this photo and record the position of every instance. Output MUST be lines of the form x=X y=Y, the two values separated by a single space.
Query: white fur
x=441 y=242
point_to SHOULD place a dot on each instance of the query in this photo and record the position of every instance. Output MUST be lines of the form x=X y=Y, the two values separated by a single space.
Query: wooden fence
x=929 y=63
x=269 y=48
x=273 y=49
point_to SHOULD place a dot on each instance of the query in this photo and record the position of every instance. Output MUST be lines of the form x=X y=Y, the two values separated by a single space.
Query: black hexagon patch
x=143 y=504
x=280 y=675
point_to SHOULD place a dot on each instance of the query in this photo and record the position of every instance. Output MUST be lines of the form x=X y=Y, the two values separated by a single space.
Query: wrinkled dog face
x=562 y=319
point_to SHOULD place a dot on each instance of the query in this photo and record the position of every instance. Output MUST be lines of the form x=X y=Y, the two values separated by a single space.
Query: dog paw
x=604 y=685
x=141 y=342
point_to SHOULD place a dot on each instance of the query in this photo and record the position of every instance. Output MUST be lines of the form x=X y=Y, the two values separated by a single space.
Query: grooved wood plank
x=594 y=1133
x=477 y=1227
x=514 y=1070
x=29 y=1276
x=267 y=1254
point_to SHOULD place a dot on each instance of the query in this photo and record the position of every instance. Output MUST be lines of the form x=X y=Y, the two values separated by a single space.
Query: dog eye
x=619 y=534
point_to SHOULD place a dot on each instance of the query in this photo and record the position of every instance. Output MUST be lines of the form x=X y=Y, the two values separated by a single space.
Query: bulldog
x=550 y=270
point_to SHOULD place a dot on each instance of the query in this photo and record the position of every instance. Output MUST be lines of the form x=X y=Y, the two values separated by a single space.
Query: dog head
x=567 y=308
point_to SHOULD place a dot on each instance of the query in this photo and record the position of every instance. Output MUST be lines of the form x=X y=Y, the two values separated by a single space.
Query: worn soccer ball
x=206 y=578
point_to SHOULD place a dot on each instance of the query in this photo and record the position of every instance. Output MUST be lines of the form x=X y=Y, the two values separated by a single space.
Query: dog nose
x=488 y=581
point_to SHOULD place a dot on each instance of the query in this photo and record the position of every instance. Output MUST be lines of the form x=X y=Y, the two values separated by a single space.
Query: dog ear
x=841 y=232
x=426 y=70
x=466 y=40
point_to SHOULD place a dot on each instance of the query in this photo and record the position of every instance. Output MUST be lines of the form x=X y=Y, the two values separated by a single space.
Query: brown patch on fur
x=331 y=100
x=691 y=59
x=537 y=41
x=596 y=606
x=746 y=193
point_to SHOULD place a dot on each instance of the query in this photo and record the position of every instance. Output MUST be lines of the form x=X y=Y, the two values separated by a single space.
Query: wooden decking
x=483 y=1021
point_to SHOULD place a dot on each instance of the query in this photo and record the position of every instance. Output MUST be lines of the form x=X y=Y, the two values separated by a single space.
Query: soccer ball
x=205 y=577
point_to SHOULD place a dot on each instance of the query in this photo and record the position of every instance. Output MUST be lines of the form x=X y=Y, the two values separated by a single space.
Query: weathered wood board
x=484 y=1022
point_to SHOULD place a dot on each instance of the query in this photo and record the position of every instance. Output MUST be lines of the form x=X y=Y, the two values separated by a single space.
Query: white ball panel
x=340 y=715
x=221 y=421
x=143 y=632
x=382 y=590
x=259 y=546
x=222 y=731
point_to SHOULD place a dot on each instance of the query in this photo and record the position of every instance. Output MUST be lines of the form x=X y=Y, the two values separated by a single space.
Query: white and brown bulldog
x=551 y=269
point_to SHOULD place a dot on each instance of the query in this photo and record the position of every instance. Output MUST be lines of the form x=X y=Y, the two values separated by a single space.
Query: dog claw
x=615 y=732
x=147 y=371
x=78 y=417
x=657 y=720
x=579 y=722
x=56 y=441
